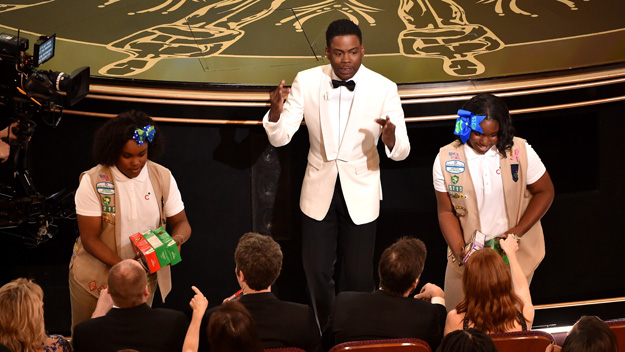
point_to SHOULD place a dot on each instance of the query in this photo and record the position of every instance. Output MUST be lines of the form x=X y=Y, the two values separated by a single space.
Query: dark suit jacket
x=141 y=328
x=358 y=316
x=280 y=323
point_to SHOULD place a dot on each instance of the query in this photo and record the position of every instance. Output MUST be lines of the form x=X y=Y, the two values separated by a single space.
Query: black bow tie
x=348 y=84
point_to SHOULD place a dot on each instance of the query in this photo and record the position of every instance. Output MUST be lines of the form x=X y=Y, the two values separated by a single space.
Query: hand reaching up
x=198 y=303
x=276 y=99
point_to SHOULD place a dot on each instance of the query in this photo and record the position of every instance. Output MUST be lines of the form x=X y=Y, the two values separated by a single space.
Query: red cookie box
x=145 y=251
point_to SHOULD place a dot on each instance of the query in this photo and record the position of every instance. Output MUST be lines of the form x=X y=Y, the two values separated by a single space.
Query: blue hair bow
x=465 y=123
x=143 y=134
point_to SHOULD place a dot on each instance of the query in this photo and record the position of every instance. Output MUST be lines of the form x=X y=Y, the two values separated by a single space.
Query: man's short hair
x=127 y=281
x=342 y=27
x=259 y=258
x=401 y=265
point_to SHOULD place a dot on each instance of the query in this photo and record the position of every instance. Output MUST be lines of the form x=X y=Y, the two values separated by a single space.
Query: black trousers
x=320 y=242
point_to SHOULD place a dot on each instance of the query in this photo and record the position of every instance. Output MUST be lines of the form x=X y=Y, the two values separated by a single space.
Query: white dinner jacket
x=355 y=160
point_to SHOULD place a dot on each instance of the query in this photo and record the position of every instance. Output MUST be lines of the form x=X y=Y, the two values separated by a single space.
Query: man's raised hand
x=388 y=132
x=276 y=99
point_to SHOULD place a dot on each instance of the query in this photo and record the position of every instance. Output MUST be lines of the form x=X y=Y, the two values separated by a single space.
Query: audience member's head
x=590 y=334
x=489 y=300
x=232 y=329
x=128 y=284
x=471 y=340
x=22 y=327
x=259 y=258
x=401 y=265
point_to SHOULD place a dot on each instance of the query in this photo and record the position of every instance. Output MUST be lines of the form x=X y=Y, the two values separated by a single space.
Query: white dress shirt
x=340 y=101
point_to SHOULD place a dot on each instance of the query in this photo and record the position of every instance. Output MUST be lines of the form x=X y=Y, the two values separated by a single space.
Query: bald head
x=128 y=284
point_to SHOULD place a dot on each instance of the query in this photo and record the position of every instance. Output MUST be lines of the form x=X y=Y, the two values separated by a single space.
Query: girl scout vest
x=516 y=197
x=90 y=272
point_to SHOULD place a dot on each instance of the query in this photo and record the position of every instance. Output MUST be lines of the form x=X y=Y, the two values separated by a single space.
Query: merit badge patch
x=106 y=200
x=453 y=188
x=455 y=179
x=93 y=286
x=105 y=188
x=516 y=155
x=454 y=166
x=104 y=178
x=515 y=172
x=460 y=210
x=109 y=217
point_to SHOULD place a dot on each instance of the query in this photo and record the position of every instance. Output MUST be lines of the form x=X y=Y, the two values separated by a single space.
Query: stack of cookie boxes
x=156 y=248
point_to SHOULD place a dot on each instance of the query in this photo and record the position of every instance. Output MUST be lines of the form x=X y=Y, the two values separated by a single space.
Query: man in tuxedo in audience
x=279 y=323
x=122 y=319
x=390 y=311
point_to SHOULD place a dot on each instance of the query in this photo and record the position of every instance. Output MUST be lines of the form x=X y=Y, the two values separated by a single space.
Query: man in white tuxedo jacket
x=347 y=107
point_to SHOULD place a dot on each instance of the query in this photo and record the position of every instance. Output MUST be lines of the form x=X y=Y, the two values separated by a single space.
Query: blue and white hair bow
x=467 y=122
x=144 y=134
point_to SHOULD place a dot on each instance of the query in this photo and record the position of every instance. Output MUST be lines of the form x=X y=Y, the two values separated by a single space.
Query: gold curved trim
x=170 y=119
x=450 y=90
x=100 y=90
x=180 y=101
x=409 y=94
x=516 y=93
x=241 y=100
x=408 y=119
x=527 y=110
x=579 y=303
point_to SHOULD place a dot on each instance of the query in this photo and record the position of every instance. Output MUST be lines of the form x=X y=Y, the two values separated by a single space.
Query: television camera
x=26 y=94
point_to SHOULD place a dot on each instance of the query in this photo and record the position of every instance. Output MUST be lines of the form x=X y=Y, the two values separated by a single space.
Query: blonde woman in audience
x=496 y=299
x=22 y=326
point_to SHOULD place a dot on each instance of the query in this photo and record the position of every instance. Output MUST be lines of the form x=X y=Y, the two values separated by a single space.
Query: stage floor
x=260 y=42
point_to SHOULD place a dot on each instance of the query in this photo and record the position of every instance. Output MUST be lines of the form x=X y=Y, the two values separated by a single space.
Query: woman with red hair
x=496 y=299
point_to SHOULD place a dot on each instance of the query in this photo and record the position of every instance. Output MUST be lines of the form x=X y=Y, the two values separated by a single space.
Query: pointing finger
x=197 y=291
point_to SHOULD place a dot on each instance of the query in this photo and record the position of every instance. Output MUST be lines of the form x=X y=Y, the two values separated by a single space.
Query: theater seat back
x=384 y=345
x=522 y=341
x=618 y=326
